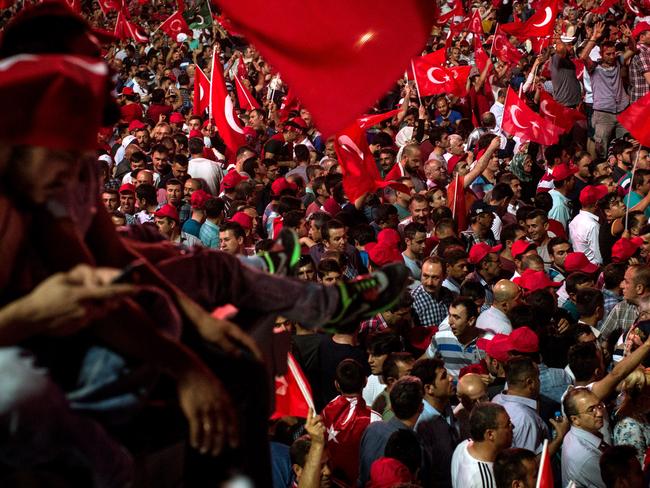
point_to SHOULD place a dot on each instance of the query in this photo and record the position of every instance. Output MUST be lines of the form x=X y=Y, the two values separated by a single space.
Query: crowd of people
x=488 y=303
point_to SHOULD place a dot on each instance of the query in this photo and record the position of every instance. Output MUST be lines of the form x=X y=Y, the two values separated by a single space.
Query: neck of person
x=483 y=451
x=469 y=335
x=409 y=254
x=439 y=403
x=345 y=339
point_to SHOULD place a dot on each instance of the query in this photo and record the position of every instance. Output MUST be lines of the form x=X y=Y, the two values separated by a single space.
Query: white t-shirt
x=372 y=389
x=468 y=472
x=207 y=170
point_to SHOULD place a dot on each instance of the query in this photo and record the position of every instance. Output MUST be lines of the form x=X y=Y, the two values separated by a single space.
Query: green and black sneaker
x=366 y=296
x=283 y=257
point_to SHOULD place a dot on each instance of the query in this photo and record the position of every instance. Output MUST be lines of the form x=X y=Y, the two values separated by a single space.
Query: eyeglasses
x=592 y=410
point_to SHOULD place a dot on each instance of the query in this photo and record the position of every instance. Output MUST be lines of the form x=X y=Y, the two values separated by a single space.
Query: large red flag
x=246 y=99
x=564 y=117
x=545 y=474
x=480 y=56
x=434 y=80
x=475 y=23
x=503 y=49
x=174 y=25
x=371 y=120
x=201 y=91
x=540 y=24
x=520 y=120
x=635 y=119
x=125 y=29
x=360 y=173
x=339 y=60
x=107 y=6
x=222 y=109
x=292 y=392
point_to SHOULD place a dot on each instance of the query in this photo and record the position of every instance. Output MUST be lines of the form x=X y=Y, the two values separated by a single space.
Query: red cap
x=625 y=248
x=531 y=280
x=127 y=188
x=590 y=194
x=386 y=472
x=167 y=210
x=563 y=171
x=640 y=28
x=198 y=199
x=135 y=125
x=232 y=179
x=176 y=118
x=523 y=339
x=496 y=348
x=196 y=133
x=479 y=252
x=243 y=219
x=389 y=237
x=577 y=261
x=297 y=122
x=383 y=254
x=55 y=101
x=281 y=184
x=127 y=90
x=522 y=246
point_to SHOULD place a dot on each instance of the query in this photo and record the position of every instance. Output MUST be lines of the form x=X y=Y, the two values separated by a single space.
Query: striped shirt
x=469 y=472
x=455 y=355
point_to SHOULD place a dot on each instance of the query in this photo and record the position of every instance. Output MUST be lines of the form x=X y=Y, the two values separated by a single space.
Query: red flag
x=456 y=11
x=125 y=29
x=75 y=5
x=436 y=58
x=475 y=23
x=520 y=120
x=630 y=6
x=480 y=56
x=246 y=99
x=635 y=119
x=604 y=7
x=434 y=80
x=460 y=75
x=457 y=201
x=539 y=43
x=174 y=25
x=545 y=476
x=504 y=50
x=562 y=116
x=371 y=120
x=540 y=24
x=340 y=68
x=292 y=392
x=222 y=110
x=201 y=91
x=109 y=5
x=290 y=101
x=360 y=173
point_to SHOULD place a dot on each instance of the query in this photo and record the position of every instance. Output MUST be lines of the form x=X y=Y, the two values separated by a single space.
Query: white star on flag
x=331 y=434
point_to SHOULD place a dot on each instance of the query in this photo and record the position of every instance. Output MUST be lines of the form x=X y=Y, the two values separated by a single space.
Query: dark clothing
x=373 y=443
x=330 y=354
x=305 y=350
x=566 y=87
x=606 y=241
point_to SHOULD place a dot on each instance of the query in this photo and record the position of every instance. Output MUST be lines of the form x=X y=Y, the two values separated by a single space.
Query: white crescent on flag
x=229 y=113
x=549 y=15
x=513 y=110
x=349 y=145
x=542 y=108
x=176 y=26
x=435 y=80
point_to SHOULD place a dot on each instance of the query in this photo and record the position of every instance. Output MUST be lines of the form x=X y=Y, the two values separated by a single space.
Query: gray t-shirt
x=566 y=87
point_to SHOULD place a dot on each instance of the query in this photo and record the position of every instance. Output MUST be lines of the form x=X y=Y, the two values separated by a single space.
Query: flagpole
x=415 y=77
x=453 y=210
x=494 y=38
x=627 y=207
x=505 y=104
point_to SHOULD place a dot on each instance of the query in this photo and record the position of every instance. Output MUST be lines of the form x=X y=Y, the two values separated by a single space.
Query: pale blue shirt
x=561 y=210
x=529 y=428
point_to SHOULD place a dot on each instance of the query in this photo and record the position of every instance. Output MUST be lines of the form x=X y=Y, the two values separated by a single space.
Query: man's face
x=330 y=152
x=376 y=362
x=589 y=412
x=386 y=160
x=645 y=247
x=160 y=161
x=314 y=232
x=493 y=164
x=643 y=162
x=560 y=252
x=503 y=432
x=307 y=272
x=485 y=221
x=608 y=56
x=459 y=270
x=162 y=131
x=432 y=277
x=190 y=187
x=194 y=124
x=413 y=161
x=127 y=202
x=626 y=156
x=443 y=107
x=111 y=201
x=602 y=169
x=337 y=240
x=536 y=229
x=229 y=243
x=174 y=194
x=583 y=167
x=165 y=226
x=492 y=266
x=436 y=171
x=443 y=386
x=144 y=177
x=458 y=320
x=256 y=121
x=179 y=171
x=416 y=245
x=515 y=186
x=419 y=211
x=627 y=285
x=331 y=278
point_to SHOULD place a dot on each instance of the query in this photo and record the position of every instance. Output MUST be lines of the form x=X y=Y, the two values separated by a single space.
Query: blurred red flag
x=635 y=119
x=339 y=61
x=292 y=392
x=222 y=110
x=475 y=23
x=545 y=475
x=520 y=120
x=480 y=56
x=456 y=11
x=246 y=99
x=174 y=25
x=504 y=50
x=373 y=119
x=109 y=5
x=604 y=7
x=564 y=117
x=201 y=91
x=125 y=29
x=540 y=24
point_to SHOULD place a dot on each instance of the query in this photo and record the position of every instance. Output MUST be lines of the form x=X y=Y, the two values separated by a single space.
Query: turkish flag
x=456 y=11
x=635 y=119
x=604 y=7
x=125 y=29
x=107 y=6
x=290 y=101
x=360 y=173
x=222 y=110
x=432 y=79
x=538 y=44
x=520 y=120
x=564 y=117
x=246 y=99
x=371 y=120
x=540 y=24
x=503 y=49
x=475 y=23
x=480 y=56
x=545 y=474
x=436 y=57
x=338 y=61
x=174 y=25
x=201 y=91
x=292 y=392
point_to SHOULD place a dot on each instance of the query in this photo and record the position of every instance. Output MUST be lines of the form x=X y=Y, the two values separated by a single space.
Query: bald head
x=505 y=290
x=488 y=120
x=411 y=150
x=471 y=390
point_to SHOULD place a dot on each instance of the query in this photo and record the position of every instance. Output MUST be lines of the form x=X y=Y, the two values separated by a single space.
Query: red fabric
x=128 y=30
x=480 y=56
x=564 y=117
x=290 y=101
x=520 y=120
x=540 y=24
x=360 y=173
x=475 y=25
x=373 y=119
x=456 y=11
x=635 y=119
x=156 y=110
x=394 y=174
x=222 y=111
x=504 y=50
x=108 y=6
x=545 y=475
x=556 y=227
x=246 y=99
x=460 y=204
x=174 y=25
x=338 y=68
x=345 y=420
x=604 y=7
x=131 y=112
x=434 y=80
x=201 y=91
x=293 y=396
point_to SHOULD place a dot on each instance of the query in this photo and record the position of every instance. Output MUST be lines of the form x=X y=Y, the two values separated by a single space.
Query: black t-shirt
x=606 y=241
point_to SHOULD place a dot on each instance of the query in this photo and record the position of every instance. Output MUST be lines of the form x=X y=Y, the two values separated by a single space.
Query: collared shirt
x=455 y=355
x=583 y=234
x=452 y=285
x=373 y=443
x=439 y=434
x=611 y=300
x=495 y=321
x=209 y=235
x=530 y=430
x=553 y=382
x=429 y=310
x=374 y=324
x=581 y=458
x=489 y=295
x=621 y=317
x=639 y=65
x=561 y=210
x=471 y=238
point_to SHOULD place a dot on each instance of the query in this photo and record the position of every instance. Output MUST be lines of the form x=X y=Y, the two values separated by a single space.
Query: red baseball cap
x=563 y=171
x=531 y=280
x=176 y=118
x=625 y=248
x=522 y=246
x=590 y=194
x=196 y=133
x=389 y=237
x=577 y=261
x=135 y=125
x=386 y=472
x=127 y=90
x=198 y=198
x=496 y=348
x=640 y=28
x=232 y=179
x=281 y=184
x=297 y=122
x=479 y=252
x=523 y=339
x=243 y=219
x=127 y=188
x=168 y=211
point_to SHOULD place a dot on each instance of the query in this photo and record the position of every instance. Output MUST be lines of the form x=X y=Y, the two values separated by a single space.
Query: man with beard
x=409 y=165
x=430 y=299
x=537 y=230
